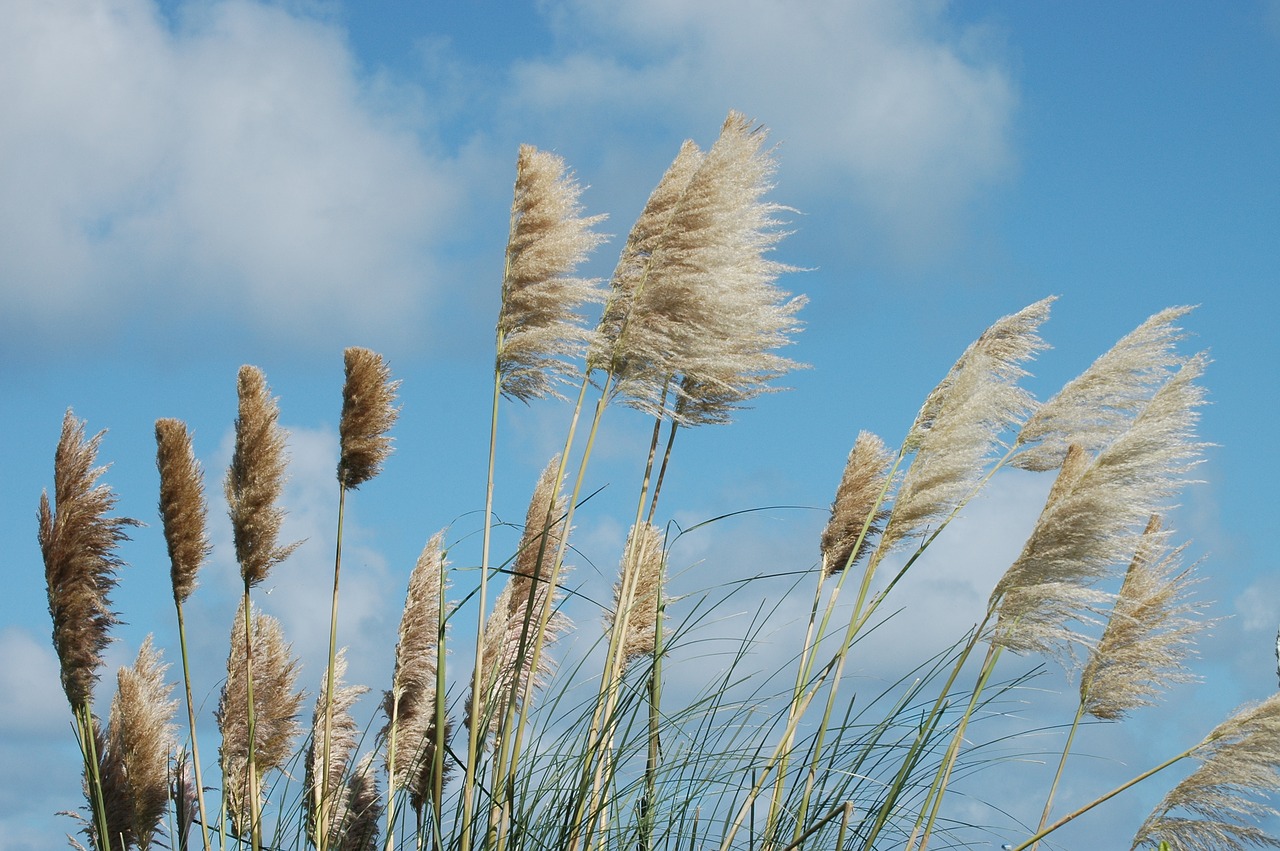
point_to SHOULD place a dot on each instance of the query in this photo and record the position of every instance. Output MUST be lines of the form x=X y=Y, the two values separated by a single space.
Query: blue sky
x=186 y=187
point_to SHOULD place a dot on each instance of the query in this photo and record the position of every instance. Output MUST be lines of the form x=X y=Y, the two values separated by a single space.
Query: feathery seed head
x=1151 y=631
x=511 y=630
x=539 y=328
x=1094 y=515
x=705 y=321
x=182 y=505
x=368 y=412
x=961 y=421
x=343 y=738
x=275 y=711
x=1227 y=795
x=608 y=350
x=139 y=742
x=640 y=579
x=363 y=813
x=1098 y=404
x=859 y=507
x=78 y=541
x=256 y=478
x=411 y=702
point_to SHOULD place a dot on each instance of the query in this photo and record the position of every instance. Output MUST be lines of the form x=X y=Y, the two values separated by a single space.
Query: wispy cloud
x=239 y=158
x=888 y=103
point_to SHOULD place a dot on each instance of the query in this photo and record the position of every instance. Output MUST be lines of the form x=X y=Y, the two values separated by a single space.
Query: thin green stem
x=322 y=788
x=477 y=677
x=251 y=768
x=86 y=732
x=1043 y=832
x=1062 y=763
x=191 y=722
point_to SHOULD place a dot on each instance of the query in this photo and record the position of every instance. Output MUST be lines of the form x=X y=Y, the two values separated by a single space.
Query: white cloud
x=31 y=703
x=884 y=102
x=230 y=166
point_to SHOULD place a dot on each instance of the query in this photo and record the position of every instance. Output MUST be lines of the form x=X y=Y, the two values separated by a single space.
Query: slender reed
x=78 y=542
x=329 y=812
x=183 y=511
x=368 y=412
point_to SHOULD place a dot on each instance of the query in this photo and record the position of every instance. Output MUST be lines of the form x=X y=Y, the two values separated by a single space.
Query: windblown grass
x=776 y=740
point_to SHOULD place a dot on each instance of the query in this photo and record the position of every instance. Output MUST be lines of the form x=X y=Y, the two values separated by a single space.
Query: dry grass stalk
x=642 y=569
x=512 y=628
x=344 y=736
x=275 y=707
x=368 y=412
x=859 y=505
x=78 y=541
x=1094 y=515
x=256 y=478
x=138 y=744
x=1096 y=406
x=1226 y=795
x=647 y=235
x=961 y=420
x=1150 y=633
x=709 y=315
x=539 y=328
x=182 y=505
x=411 y=702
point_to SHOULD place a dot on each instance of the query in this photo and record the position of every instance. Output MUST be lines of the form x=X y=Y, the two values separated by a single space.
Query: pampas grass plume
x=343 y=739
x=182 y=505
x=368 y=412
x=539 y=328
x=255 y=479
x=275 y=706
x=1152 y=629
x=78 y=541
x=411 y=702
x=642 y=570
x=139 y=743
x=858 y=505
x=513 y=626
x=1239 y=769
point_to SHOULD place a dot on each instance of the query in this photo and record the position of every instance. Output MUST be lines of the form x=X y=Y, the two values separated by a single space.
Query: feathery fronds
x=186 y=802
x=858 y=504
x=275 y=708
x=538 y=326
x=368 y=412
x=705 y=322
x=411 y=702
x=78 y=542
x=643 y=566
x=1094 y=514
x=139 y=742
x=1151 y=631
x=629 y=277
x=961 y=420
x=343 y=738
x=1239 y=769
x=182 y=505
x=1096 y=406
x=363 y=809
x=255 y=479
x=513 y=626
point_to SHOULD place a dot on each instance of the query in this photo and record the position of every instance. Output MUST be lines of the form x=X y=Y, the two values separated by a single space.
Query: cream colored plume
x=640 y=581
x=858 y=510
x=344 y=736
x=411 y=702
x=704 y=323
x=1094 y=515
x=368 y=412
x=1150 y=632
x=959 y=426
x=1217 y=806
x=539 y=328
x=1092 y=409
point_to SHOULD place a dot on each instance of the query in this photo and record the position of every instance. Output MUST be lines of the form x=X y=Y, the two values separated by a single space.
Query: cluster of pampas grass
x=521 y=752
